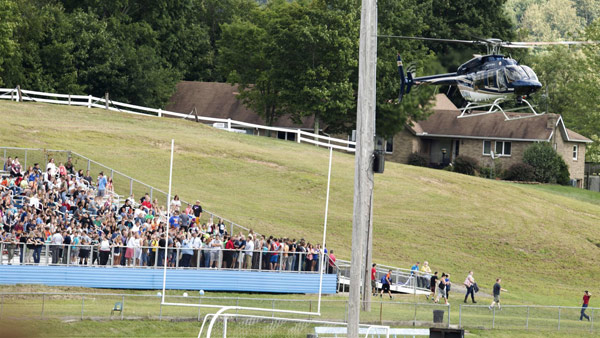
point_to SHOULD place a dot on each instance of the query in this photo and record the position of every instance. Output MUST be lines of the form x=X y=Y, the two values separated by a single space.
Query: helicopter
x=486 y=80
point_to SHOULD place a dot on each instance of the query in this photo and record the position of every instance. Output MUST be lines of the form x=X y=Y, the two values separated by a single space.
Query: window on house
x=575 y=149
x=487 y=147
x=389 y=145
x=503 y=148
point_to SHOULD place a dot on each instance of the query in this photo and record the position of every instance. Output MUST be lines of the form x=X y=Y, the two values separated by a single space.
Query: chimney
x=551 y=122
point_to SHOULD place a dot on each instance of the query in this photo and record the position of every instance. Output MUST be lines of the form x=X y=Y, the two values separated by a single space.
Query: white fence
x=19 y=95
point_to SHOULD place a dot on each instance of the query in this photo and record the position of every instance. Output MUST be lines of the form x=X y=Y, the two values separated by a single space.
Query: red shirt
x=331 y=260
x=373 y=273
x=586 y=299
x=229 y=245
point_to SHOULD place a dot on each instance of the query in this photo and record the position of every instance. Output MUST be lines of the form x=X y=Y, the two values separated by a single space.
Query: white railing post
x=229 y=124
x=89 y=101
x=298 y=136
x=69 y=99
x=159 y=112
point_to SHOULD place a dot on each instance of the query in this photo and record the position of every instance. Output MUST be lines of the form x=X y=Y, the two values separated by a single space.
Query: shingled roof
x=219 y=100
x=444 y=123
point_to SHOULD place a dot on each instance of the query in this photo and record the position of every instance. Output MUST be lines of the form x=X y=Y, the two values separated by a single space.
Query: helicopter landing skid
x=494 y=107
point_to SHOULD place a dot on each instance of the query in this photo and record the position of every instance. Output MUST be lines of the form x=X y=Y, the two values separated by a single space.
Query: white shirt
x=105 y=245
x=249 y=247
x=57 y=239
x=52 y=168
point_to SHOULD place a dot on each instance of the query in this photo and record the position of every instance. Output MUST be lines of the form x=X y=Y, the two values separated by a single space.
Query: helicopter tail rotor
x=406 y=81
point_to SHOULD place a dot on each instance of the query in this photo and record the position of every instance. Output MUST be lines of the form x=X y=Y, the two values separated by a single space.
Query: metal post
x=231 y=229
x=159 y=112
x=131 y=187
x=68 y=255
x=43 y=303
x=151 y=191
x=47 y=254
x=69 y=99
x=25 y=165
x=309 y=308
x=1 y=251
x=177 y=258
x=82 y=304
x=527 y=320
x=273 y=313
x=225 y=327
x=89 y=165
x=122 y=307
x=89 y=101
x=106 y=100
x=260 y=260
x=494 y=318
x=415 y=317
x=459 y=316
x=229 y=124
x=160 y=312
x=112 y=256
x=559 y=318
x=199 y=308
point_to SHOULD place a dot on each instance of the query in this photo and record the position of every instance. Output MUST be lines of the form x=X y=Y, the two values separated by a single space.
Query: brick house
x=443 y=136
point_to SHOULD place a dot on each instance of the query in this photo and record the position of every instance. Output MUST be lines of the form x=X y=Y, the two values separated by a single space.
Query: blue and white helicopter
x=486 y=80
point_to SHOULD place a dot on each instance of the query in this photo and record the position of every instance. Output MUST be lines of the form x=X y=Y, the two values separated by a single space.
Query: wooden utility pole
x=363 y=176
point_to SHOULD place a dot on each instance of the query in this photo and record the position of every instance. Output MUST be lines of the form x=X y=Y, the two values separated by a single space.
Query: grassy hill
x=542 y=240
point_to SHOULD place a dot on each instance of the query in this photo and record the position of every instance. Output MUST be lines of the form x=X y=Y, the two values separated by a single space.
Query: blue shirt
x=102 y=183
x=414 y=268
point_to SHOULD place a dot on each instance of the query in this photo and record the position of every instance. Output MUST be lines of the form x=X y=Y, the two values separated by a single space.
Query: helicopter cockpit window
x=515 y=73
x=530 y=73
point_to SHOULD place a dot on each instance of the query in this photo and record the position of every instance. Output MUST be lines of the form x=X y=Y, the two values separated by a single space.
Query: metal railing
x=121 y=180
x=532 y=317
x=149 y=257
x=399 y=276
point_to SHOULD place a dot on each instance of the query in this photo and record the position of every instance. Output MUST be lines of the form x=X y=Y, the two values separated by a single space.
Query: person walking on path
x=497 y=289
x=432 y=286
x=441 y=290
x=470 y=285
x=385 y=284
x=586 y=300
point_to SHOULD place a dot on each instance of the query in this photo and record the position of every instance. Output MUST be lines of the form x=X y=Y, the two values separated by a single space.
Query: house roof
x=444 y=123
x=219 y=100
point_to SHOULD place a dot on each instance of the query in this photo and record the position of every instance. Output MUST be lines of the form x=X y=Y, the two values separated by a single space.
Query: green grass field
x=542 y=240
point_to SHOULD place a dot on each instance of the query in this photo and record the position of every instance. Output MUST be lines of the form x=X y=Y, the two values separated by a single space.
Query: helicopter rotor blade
x=546 y=43
x=431 y=39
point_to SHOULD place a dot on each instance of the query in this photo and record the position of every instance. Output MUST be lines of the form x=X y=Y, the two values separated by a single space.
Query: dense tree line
x=289 y=57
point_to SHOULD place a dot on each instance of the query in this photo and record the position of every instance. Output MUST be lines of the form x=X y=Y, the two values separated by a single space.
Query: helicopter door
x=501 y=80
x=490 y=79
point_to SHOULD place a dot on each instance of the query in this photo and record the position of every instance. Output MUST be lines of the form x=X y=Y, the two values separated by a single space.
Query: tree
x=549 y=166
x=551 y=20
x=8 y=22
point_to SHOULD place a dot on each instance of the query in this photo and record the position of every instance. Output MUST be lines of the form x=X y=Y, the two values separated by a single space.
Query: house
x=218 y=100
x=442 y=137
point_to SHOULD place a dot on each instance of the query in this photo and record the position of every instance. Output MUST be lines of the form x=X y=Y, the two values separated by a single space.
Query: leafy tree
x=551 y=20
x=9 y=20
x=549 y=166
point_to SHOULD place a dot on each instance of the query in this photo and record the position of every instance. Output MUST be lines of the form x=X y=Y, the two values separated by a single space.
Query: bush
x=418 y=160
x=564 y=177
x=520 y=172
x=465 y=165
x=549 y=166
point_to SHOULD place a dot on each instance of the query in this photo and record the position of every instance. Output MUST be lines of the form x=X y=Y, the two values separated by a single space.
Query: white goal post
x=223 y=308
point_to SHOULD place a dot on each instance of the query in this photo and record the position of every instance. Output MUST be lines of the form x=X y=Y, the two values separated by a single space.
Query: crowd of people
x=79 y=221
